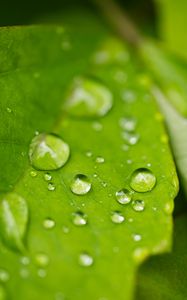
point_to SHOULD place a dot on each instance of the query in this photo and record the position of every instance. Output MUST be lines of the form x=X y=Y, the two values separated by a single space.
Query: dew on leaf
x=25 y=260
x=79 y=219
x=42 y=259
x=4 y=275
x=51 y=186
x=138 y=205
x=13 y=220
x=9 y=110
x=117 y=217
x=128 y=96
x=65 y=229
x=100 y=160
x=88 y=98
x=80 y=185
x=85 y=260
x=97 y=126
x=123 y=196
x=24 y=273
x=131 y=138
x=128 y=124
x=89 y=154
x=47 y=176
x=33 y=173
x=142 y=180
x=42 y=273
x=137 y=237
x=48 y=223
x=48 y=152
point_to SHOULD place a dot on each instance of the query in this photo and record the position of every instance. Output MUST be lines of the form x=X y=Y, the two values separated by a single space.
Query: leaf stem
x=119 y=20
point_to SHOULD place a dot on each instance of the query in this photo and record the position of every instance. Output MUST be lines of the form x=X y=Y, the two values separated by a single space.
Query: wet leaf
x=123 y=148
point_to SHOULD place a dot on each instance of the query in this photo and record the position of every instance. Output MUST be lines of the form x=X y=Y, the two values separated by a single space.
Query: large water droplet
x=142 y=180
x=88 y=98
x=123 y=196
x=48 y=152
x=13 y=220
x=85 y=260
x=138 y=205
x=79 y=219
x=80 y=185
x=117 y=217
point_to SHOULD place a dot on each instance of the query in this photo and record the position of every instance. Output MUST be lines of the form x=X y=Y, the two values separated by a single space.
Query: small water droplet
x=128 y=96
x=42 y=273
x=117 y=217
x=49 y=223
x=88 y=98
x=24 y=273
x=25 y=260
x=142 y=180
x=85 y=260
x=137 y=237
x=4 y=275
x=128 y=124
x=138 y=205
x=48 y=152
x=79 y=219
x=120 y=76
x=33 y=173
x=131 y=138
x=47 y=176
x=65 y=229
x=80 y=185
x=42 y=259
x=123 y=196
x=100 y=160
x=51 y=186
x=97 y=126
x=89 y=154
x=9 y=110
x=125 y=147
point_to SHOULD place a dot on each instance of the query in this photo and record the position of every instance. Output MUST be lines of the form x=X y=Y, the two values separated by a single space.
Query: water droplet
x=42 y=259
x=89 y=154
x=24 y=273
x=25 y=260
x=120 y=76
x=138 y=205
x=4 y=275
x=128 y=124
x=33 y=173
x=48 y=152
x=117 y=217
x=131 y=138
x=142 y=180
x=97 y=126
x=8 y=109
x=85 y=260
x=80 y=185
x=13 y=220
x=88 y=98
x=137 y=237
x=125 y=147
x=49 y=223
x=51 y=186
x=123 y=196
x=47 y=176
x=100 y=160
x=42 y=273
x=79 y=219
x=128 y=96
x=65 y=229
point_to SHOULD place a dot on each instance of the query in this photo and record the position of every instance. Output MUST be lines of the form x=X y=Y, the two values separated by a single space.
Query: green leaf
x=93 y=221
x=171 y=76
x=13 y=220
x=172 y=24
x=164 y=277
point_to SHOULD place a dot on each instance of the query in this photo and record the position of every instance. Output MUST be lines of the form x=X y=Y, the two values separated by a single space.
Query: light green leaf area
x=171 y=76
x=164 y=277
x=93 y=221
x=172 y=24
